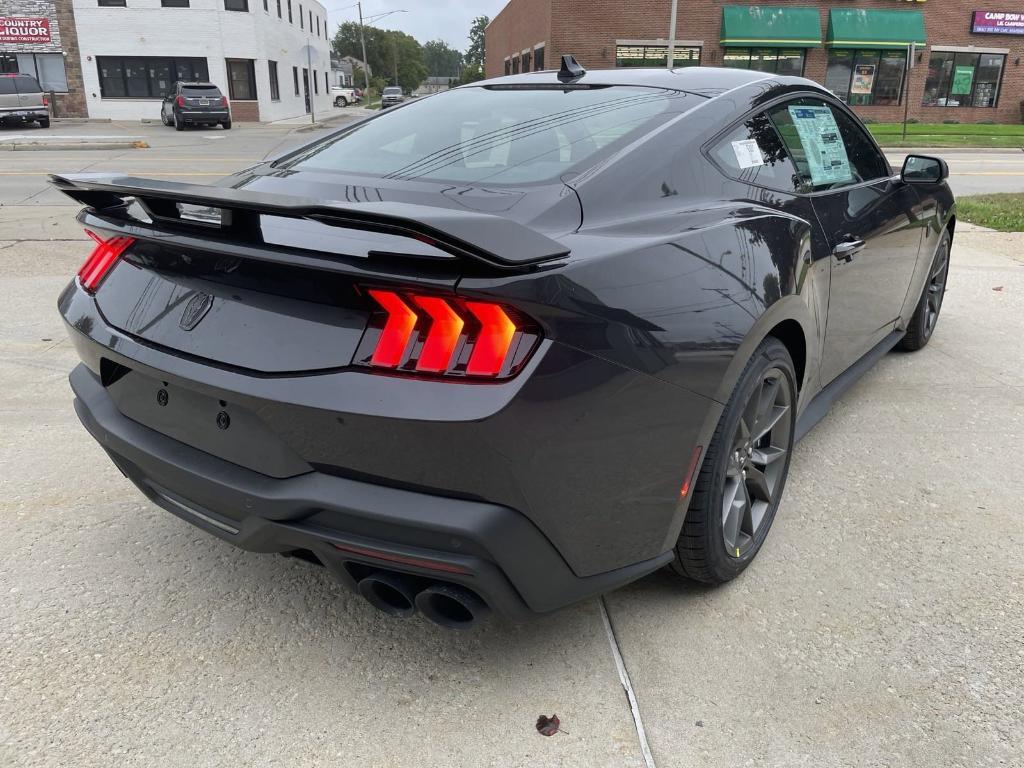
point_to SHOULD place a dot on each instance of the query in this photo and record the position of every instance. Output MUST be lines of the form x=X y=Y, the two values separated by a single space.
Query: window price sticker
x=748 y=154
x=823 y=145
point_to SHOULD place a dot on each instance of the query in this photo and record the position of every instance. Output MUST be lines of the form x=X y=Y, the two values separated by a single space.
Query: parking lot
x=881 y=625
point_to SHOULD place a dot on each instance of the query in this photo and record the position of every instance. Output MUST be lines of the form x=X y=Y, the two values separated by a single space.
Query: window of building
x=241 y=79
x=963 y=79
x=295 y=79
x=524 y=62
x=302 y=19
x=236 y=5
x=290 y=12
x=112 y=3
x=141 y=77
x=538 y=59
x=275 y=87
x=318 y=26
x=508 y=66
x=279 y=9
x=174 y=3
x=311 y=22
x=515 y=65
x=266 y=6
x=655 y=56
x=47 y=68
x=327 y=83
x=782 y=61
x=866 y=77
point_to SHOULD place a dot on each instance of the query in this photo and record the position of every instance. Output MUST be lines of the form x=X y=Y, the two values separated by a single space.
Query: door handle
x=846 y=250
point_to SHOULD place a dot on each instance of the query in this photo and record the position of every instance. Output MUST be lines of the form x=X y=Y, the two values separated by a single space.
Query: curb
x=57 y=146
x=953 y=150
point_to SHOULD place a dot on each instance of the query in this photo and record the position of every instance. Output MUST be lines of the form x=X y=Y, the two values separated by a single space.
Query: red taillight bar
x=445 y=335
x=417 y=562
x=101 y=260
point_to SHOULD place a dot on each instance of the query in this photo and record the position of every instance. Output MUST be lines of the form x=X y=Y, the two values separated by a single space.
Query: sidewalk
x=326 y=116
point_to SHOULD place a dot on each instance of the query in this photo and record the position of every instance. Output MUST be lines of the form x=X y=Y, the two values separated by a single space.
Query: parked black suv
x=22 y=100
x=195 y=104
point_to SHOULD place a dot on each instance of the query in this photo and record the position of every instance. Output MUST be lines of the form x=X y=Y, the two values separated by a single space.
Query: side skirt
x=823 y=401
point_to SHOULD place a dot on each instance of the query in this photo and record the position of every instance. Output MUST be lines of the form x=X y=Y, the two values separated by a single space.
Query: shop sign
x=24 y=29
x=997 y=23
x=863 y=78
x=963 y=78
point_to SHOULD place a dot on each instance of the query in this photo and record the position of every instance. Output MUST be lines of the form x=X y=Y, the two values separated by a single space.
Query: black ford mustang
x=509 y=346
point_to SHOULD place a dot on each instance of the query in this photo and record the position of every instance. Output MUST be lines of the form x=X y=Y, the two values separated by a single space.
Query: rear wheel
x=926 y=315
x=744 y=471
x=178 y=124
x=44 y=123
x=341 y=101
x=227 y=125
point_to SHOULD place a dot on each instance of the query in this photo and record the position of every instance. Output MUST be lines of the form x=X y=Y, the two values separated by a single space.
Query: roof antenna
x=571 y=69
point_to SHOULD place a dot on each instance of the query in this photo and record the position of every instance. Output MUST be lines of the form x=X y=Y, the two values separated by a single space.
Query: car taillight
x=181 y=101
x=448 y=336
x=46 y=102
x=103 y=257
x=223 y=101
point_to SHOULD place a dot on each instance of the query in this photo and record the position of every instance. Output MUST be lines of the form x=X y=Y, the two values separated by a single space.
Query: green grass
x=1003 y=211
x=942 y=135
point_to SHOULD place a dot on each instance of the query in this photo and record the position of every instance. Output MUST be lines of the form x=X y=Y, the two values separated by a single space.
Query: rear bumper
x=491 y=549
x=203 y=116
x=25 y=115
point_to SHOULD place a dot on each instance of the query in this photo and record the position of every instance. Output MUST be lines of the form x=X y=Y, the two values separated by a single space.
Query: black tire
x=44 y=123
x=734 y=463
x=163 y=118
x=926 y=314
x=341 y=101
x=227 y=125
x=179 y=125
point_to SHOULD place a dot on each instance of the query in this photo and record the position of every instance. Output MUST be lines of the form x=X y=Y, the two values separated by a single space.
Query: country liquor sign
x=24 y=29
x=997 y=23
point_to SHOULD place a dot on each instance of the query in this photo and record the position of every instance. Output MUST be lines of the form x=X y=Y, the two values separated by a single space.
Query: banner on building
x=24 y=29
x=997 y=23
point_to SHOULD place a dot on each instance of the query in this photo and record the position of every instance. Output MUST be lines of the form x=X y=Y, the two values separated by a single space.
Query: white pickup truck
x=343 y=95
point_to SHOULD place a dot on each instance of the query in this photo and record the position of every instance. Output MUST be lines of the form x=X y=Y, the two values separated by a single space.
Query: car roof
x=199 y=83
x=708 y=81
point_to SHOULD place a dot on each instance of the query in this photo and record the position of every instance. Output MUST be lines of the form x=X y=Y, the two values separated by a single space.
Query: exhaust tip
x=451 y=607
x=389 y=594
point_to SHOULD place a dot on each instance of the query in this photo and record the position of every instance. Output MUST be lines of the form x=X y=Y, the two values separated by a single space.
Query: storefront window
x=781 y=61
x=47 y=68
x=655 y=56
x=145 y=78
x=963 y=79
x=866 y=77
x=538 y=59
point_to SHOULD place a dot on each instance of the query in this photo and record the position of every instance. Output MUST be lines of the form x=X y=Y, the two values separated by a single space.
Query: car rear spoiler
x=491 y=240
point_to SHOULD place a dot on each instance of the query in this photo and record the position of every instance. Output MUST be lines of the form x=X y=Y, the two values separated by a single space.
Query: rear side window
x=26 y=84
x=828 y=147
x=501 y=136
x=754 y=153
x=6 y=86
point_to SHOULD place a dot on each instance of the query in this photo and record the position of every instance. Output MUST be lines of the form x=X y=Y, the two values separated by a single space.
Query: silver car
x=22 y=101
x=391 y=96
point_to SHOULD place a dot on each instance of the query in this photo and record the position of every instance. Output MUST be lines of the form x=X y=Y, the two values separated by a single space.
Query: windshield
x=505 y=136
x=392 y=91
x=209 y=91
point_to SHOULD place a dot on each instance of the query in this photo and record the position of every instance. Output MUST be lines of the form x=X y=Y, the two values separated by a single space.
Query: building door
x=305 y=87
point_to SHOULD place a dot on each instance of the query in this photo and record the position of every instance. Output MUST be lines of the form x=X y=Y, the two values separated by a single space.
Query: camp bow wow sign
x=24 y=29
x=997 y=23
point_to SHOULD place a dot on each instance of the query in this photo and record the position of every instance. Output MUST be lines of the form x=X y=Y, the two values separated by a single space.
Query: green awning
x=860 y=28
x=769 y=26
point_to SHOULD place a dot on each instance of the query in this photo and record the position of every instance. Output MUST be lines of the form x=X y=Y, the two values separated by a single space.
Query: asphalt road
x=881 y=625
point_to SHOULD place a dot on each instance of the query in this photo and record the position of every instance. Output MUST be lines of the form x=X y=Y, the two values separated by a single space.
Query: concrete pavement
x=880 y=626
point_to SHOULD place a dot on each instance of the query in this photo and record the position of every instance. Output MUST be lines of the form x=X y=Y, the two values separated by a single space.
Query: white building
x=270 y=57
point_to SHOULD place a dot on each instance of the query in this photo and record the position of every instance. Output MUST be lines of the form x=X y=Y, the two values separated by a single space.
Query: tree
x=441 y=60
x=386 y=51
x=474 y=57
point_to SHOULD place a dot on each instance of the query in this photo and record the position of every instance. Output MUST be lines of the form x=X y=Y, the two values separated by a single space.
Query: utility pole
x=671 y=59
x=362 y=42
x=911 y=50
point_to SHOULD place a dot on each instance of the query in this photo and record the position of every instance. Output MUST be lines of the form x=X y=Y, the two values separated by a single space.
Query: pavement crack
x=620 y=665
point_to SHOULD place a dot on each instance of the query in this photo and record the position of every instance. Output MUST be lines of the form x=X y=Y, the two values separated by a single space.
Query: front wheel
x=341 y=101
x=741 y=480
x=926 y=314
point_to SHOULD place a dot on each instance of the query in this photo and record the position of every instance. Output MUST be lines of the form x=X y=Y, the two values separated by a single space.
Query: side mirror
x=921 y=169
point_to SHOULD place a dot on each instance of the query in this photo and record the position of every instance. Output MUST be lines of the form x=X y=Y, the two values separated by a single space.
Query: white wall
x=145 y=28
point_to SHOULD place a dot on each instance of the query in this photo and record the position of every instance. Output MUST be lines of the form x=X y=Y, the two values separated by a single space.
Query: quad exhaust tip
x=390 y=593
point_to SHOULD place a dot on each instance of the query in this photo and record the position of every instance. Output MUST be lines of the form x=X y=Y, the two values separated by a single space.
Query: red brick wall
x=589 y=28
x=245 y=111
x=520 y=24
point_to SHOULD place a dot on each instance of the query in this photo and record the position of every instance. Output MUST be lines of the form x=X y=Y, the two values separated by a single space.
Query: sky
x=425 y=20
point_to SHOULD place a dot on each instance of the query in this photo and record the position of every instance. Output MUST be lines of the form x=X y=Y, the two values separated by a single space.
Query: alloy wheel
x=756 y=464
x=936 y=289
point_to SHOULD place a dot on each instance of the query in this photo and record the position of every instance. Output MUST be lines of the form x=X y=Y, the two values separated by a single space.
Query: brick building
x=38 y=38
x=965 y=63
